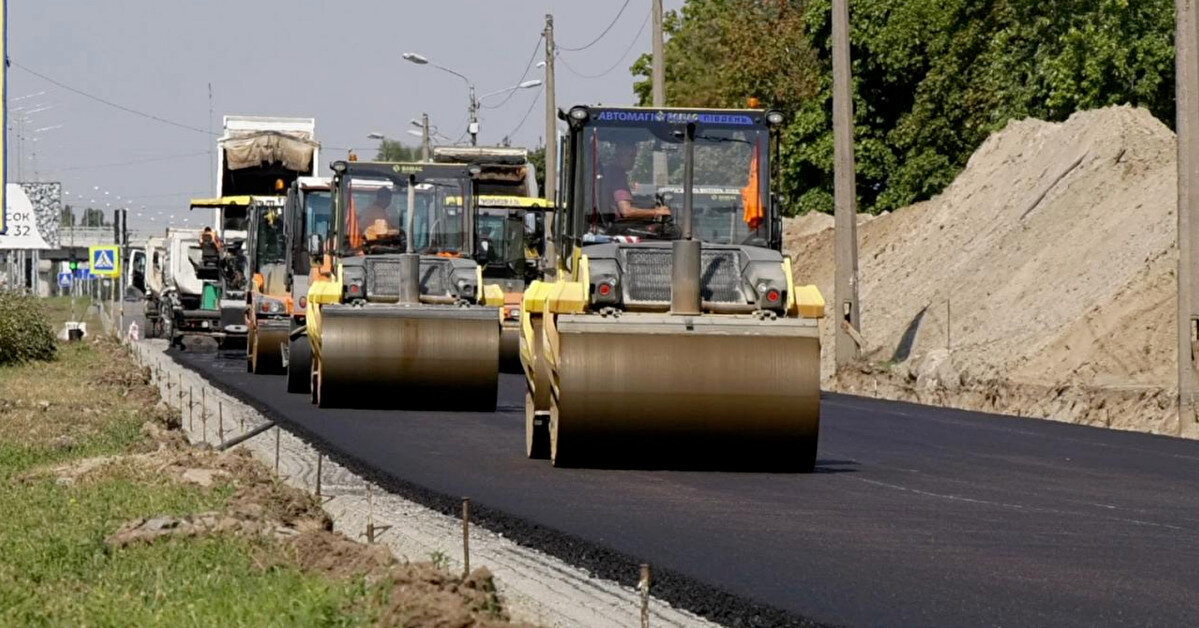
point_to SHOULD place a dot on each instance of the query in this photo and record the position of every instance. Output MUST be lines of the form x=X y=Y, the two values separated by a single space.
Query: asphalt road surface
x=916 y=516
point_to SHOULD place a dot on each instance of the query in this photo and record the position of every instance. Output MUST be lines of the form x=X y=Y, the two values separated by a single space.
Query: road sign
x=64 y=280
x=83 y=272
x=105 y=261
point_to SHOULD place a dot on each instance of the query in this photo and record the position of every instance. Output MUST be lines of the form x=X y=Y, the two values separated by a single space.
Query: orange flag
x=751 y=194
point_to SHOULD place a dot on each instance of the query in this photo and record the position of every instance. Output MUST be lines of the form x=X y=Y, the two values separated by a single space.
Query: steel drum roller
x=409 y=356
x=730 y=384
x=510 y=347
x=268 y=347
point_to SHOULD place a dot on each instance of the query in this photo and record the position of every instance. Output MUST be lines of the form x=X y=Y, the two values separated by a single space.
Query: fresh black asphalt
x=916 y=515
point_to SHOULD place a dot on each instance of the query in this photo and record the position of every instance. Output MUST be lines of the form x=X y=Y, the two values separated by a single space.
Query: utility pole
x=211 y=159
x=1187 y=86
x=551 y=117
x=659 y=70
x=474 y=118
x=845 y=294
x=425 y=153
x=550 y=263
x=658 y=86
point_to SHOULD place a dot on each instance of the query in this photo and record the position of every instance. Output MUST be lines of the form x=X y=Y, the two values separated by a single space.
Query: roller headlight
x=465 y=288
x=605 y=291
x=354 y=282
x=770 y=297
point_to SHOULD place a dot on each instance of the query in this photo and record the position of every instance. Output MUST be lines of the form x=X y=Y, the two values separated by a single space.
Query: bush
x=25 y=331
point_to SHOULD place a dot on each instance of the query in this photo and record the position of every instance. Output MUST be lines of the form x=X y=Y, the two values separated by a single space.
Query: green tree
x=67 y=216
x=93 y=217
x=537 y=158
x=931 y=78
x=392 y=150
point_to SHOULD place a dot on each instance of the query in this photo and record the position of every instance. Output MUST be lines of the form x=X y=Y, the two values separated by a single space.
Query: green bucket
x=210 y=299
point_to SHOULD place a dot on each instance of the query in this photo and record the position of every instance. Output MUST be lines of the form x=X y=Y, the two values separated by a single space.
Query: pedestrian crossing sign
x=105 y=260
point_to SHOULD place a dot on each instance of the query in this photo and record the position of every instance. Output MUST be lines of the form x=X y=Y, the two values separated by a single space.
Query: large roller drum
x=714 y=389
x=510 y=347
x=266 y=346
x=395 y=356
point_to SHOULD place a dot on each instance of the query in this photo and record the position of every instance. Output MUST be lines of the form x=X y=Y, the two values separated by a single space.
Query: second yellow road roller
x=673 y=326
x=405 y=321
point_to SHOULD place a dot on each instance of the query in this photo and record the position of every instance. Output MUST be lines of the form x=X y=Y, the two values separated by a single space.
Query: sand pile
x=1040 y=283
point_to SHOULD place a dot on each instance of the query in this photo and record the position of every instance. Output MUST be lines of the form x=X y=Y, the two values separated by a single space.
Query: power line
x=619 y=59
x=533 y=104
x=601 y=35
x=132 y=163
x=520 y=80
x=112 y=104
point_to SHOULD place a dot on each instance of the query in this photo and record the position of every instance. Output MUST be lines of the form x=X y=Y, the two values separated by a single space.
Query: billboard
x=21 y=221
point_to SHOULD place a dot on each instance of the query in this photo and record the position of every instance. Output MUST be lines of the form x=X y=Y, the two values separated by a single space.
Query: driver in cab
x=618 y=195
x=375 y=217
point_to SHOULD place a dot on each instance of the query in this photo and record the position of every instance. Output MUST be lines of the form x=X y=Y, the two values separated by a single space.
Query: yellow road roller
x=405 y=320
x=672 y=327
x=508 y=228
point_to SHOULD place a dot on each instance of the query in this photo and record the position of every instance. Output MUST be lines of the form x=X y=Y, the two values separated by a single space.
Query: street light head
x=541 y=64
x=415 y=58
x=414 y=132
x=529 y=84
x=375 y=136
x=416 y=123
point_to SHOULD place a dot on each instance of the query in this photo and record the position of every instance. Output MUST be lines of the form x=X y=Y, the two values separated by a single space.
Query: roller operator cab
x=508 y=228
x=673 y=327
x=308 y=212
x=269 y=305
x=405 y=319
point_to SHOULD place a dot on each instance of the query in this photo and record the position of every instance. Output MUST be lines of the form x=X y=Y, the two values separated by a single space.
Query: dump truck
x=307 y=213
x=151 y=261
x=671 y=328
x=509 y=228
x=258 y=157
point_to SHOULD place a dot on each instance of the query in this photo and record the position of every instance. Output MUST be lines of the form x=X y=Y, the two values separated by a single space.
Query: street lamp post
x=473 y=103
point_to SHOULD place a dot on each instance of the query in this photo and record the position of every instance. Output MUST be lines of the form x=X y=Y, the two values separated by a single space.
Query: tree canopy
x=932 y=78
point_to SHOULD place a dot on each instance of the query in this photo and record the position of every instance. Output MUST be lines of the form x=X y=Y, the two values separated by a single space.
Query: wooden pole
x=1187 y=88
x=845 y=297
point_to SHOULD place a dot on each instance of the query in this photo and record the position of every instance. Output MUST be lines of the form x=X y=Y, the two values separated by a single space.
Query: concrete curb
x=537 y=588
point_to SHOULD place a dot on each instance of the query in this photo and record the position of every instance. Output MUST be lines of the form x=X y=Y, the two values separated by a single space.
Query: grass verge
x=87 y=467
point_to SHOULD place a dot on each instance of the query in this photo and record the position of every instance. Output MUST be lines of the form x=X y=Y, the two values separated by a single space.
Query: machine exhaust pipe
x=409 y=261
x=685 y=297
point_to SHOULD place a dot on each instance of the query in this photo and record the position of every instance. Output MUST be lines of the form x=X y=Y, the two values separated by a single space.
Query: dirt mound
x=423 y=594
x=1047 y=265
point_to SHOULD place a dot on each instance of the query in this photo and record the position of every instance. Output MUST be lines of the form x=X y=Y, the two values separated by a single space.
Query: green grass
x=54 y=566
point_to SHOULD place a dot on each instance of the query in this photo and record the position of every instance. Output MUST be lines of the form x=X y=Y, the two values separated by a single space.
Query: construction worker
x=617 y=195
x=379 y=210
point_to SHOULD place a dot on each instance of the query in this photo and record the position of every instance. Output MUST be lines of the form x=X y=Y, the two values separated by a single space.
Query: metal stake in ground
x=643 y=587
x=318 y=474
x=465 y=537
x=191 y=425
x=277 y=436
x=220 y=421
x=370 y=514
x=204 y=412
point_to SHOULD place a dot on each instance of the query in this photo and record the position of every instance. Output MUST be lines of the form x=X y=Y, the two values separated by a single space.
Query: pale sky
x=338 y=62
